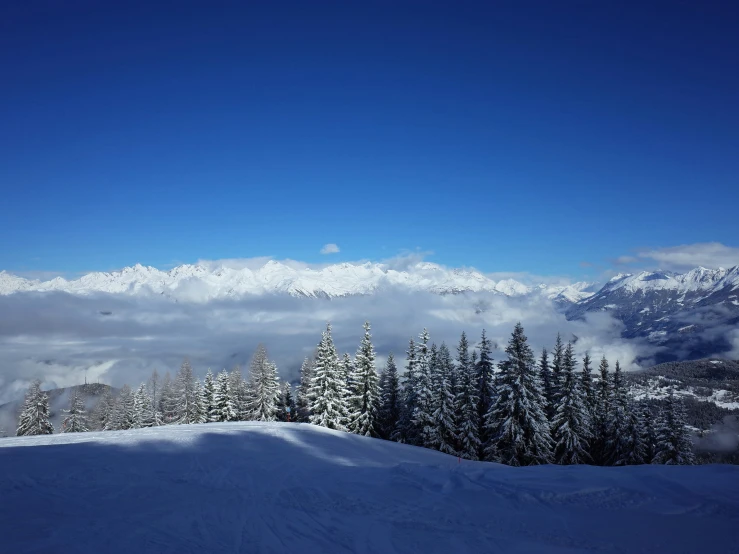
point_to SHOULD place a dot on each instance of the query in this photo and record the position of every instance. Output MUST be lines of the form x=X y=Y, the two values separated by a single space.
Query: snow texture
x=277 y=487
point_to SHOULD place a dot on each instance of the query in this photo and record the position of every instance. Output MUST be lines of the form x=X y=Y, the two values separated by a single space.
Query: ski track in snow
x=277 y=488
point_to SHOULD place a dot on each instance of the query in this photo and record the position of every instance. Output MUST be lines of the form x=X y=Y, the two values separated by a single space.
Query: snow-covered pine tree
x=286 y=403
x=571 y=423
x=76 y=418
x=444 y=437
x=346 y=366
x=423 y=415
x=264 y=386
x=636 y=450
x=168 y=402
x=366 y=397
x=34 y=417
x=123 y=412
x=556 y=369
x=618 y=444
x=143 y=410
x=302 y=401
x=466 y=403
x=102 y=412
x=600 y=427
x=242 y=395
x=485 y=385
x=649 y=434
x=188 y=401
x=328 y=387
x=406 y=431
x=674 y=446
x=588 y=390
x=546 y=383
x=390 y=400
x=201 y=411
x=517 y=422
x=209 y=396
x=223 y=407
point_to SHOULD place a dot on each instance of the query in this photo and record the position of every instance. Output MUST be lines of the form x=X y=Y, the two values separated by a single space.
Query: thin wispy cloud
x=330 y=248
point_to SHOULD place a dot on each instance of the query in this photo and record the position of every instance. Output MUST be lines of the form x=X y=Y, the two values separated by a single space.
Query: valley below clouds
x=115 y=339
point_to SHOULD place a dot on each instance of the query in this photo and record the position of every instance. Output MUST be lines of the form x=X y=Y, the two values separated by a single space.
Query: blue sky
x=514 y=136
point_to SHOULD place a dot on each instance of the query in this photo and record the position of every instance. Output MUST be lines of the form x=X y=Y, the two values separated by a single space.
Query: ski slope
x=295 y=488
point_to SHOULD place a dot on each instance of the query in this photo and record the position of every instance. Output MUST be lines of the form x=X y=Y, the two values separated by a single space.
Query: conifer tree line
x=520 y=411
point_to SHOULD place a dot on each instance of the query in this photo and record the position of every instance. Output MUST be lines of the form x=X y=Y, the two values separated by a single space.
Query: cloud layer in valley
x=120 y=339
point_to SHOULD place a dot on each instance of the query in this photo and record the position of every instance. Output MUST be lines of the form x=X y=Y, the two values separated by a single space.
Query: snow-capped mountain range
x=201 y=283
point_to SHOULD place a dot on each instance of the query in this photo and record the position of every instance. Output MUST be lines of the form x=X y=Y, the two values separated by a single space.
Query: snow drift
x=275 y=487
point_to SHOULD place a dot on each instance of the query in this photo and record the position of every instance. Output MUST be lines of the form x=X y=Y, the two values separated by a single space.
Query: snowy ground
x=289 y=488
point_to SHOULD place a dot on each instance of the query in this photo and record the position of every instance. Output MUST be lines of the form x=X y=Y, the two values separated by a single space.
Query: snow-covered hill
x=205 y=282
x=275 y=488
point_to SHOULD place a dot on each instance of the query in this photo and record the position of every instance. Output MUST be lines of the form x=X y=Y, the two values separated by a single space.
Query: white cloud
x=687 y=256
x=330 y=248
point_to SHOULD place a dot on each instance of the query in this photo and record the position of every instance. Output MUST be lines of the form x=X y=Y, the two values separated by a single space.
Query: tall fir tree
x=546 y=383
x=673 y=446
x=123 y=412
x=209 y=396
x=649 y=433
x=302 y=401
x=407 y=431
x=35 y=415
x=604 y=397
x=187 y=399
x=588 y=390
x=223 y=408
x=242 y=395
x=328 y=392
x=264 y=385
x=390 y=399
x=444 y=438
x=517 y=422
x=75 y=420
x=423 y=418
x=571 y=423
x=618 y=420
x=485 y=385
x=168 y=402
x=365 y=383
x=556 y=369
x=154 y=388
x=143 y=409
x=286 y=403
x=635 y=451
x=466 y=404
x=102 y=413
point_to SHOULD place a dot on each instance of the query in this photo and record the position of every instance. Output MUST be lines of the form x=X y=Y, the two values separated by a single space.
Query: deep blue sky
x=512 y=136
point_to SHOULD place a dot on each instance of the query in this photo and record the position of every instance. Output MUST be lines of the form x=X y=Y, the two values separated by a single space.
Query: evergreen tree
x=546 y=382
x=286 y=403
x=143 y=409
x=76 y=419
x=187 y=398
x=201 y=410
x=571 y=423
x=35 y=416
x=390 y=399
x=674 y=446
x=466 y=403
x=242 y=393
x=618 y=442
x=588 y=391
x=168 y=401
x=223 y=408
x=366 y=398
x=635 y=451
x=649 y=435
x=264 y=386
x=154 y=388
x=423 y=415
x=102 y=413
x=303 y=403
x=347 y=374
x=209 y=397
x=517 y=423
x=604 y=396
x=123 y=412
x=485 y=385
x=328 y=387
x=444 y=437
x=406 y=431
x=557 y=369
